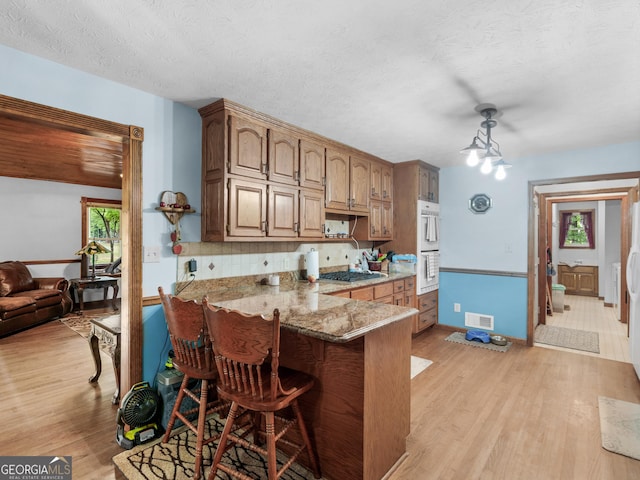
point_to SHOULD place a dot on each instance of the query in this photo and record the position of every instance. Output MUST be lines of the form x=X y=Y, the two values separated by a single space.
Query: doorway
x=623 y=185
x=22 y=118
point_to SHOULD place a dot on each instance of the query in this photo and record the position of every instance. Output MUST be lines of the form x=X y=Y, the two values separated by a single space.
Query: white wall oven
x=428 y=268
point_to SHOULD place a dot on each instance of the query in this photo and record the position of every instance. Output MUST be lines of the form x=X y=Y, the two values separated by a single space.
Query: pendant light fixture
x=484 y=149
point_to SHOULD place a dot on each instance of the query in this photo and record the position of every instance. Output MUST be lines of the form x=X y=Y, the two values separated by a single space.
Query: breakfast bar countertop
x=309 y=309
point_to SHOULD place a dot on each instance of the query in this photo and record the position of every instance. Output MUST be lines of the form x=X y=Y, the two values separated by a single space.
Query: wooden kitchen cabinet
x=247 y=208
x=337 y=194
x=311 y=213
x=429 y=184
x=359 y=184
x=282 y=211
x=381 y=181
x=312 y=165
x=428 y=307
x=248 y=158
x=387 y=183
x=579 y=279
x=394 y=292
x=247 y=148
x=347 y=183
x=284 y=157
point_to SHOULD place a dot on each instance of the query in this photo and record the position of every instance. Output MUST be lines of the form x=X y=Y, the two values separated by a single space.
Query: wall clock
x=480 y=203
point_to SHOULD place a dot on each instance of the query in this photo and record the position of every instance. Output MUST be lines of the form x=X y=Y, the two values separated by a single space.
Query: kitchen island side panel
x=387 y=397
x=334 y=408
x=358 y=412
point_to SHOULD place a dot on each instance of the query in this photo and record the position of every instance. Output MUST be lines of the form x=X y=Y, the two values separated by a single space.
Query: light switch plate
x=151 y=254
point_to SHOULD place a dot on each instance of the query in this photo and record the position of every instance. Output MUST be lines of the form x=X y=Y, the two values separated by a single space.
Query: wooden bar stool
x=194 y=358
x=246 y=353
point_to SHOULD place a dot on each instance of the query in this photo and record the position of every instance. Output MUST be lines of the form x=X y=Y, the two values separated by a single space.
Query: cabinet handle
x=384 y=194
x=263 y=226
x=324 y=181
x=296 y=175
x=373 y=230
x=296 y=227
x=265 y=169
x=373 y=192
x=323 y=228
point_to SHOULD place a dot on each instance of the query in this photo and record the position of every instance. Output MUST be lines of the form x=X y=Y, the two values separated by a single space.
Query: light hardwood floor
x=590 y=314
x=530 y=413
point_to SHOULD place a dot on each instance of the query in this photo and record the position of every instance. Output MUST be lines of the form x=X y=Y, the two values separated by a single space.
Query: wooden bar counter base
x=359 y=352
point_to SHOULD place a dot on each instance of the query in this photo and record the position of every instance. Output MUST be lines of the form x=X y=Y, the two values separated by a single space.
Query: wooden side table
x=106 y=330
x=79 y=285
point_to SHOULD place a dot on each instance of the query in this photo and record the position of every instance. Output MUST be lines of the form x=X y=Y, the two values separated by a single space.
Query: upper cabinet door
x=423 y=192
x=311 y=214
x=387 y=183
x=247 y=148
x=376 y=181
x=360 y=184
x=284 y=161
x=213 y=145
x=433 y=186
x=282 y=211
x=337 y=187
x=247 y=209
x=312 y=173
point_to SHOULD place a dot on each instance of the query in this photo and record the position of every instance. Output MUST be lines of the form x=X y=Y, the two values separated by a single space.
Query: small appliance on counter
x=403 y=263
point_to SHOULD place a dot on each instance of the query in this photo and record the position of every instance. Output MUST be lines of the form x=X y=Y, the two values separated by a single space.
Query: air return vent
x=478 y=320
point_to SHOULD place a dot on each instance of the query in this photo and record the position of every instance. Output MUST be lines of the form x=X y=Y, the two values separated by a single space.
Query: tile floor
x=590 y=314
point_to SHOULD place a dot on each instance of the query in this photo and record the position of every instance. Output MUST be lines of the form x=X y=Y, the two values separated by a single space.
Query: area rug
x=80 y=323
x=175 y=459
x=418 y=365
x=458 y=337
x=568 y=338
x=620 y=426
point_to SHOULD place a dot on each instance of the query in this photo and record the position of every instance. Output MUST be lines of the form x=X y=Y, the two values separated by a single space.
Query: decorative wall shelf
x=174 y=205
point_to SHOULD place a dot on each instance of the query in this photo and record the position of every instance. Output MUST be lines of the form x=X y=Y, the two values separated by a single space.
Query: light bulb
x=501 y=173
x=486 y=166
x=473 y=159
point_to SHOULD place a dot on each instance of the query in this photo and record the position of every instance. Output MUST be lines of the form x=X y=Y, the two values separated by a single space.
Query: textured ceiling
x=398 y=79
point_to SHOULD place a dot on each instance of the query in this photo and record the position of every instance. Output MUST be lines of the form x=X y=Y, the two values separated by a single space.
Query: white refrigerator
x=633 y=285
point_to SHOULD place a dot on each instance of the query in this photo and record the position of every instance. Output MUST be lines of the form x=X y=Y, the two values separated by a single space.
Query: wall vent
x=478 y=320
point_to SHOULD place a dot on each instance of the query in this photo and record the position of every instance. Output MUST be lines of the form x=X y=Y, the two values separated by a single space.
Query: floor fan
x=140 y=410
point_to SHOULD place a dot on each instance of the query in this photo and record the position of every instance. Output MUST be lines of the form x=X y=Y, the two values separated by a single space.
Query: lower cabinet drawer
x=362 y=294
x=428 y=301
x=425 y=320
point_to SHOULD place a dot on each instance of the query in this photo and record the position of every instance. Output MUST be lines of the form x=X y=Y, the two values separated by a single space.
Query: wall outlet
x=456 y=307
x=151 y=254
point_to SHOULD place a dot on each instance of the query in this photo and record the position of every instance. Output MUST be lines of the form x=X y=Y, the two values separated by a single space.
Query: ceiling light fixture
x=485 y=149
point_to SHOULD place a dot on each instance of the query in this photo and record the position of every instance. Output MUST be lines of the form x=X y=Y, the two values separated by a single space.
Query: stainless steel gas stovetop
x=343 y=276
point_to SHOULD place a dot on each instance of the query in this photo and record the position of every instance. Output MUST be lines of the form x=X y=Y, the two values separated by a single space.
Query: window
x=576 y=229
x=101 y=223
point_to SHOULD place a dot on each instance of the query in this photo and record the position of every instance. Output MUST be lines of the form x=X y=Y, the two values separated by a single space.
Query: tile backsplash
x=235 y=259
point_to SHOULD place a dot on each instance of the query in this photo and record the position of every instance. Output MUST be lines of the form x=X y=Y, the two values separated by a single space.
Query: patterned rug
x=458 y=337
x=175 y=459
x=568 y=338
x=620 y=426
x=80 y=323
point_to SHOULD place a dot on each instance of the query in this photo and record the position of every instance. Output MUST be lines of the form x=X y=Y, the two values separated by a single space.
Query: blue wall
x=503 y=297
x=498 y=239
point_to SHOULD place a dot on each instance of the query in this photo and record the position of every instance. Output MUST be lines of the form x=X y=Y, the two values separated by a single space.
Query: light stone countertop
x=308 y=309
